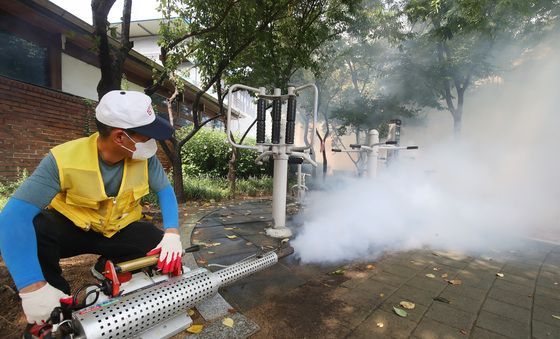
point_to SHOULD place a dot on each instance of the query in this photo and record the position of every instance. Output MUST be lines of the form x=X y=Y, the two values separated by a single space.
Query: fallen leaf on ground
x=248 y=243
x=556 y=316
x=228 y=322
x=380 y=325
x=232 y=310
x=190 y=312
x=215 y=244
x=370 y=267
x=444 y=275
x=442 y=300
x=407 y=304
x=435 y=269
x=229 y=228
x=202 y=261
x=340 y=271
x=430 y=275
x=454 y=282
x=211 y=252
x=381 y=295
x=501 y=275
x=195 y=329
x=232 y=236
x=400 y=312
x=463 y=332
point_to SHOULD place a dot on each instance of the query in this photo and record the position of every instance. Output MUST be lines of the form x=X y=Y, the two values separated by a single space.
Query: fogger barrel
x=130 y=315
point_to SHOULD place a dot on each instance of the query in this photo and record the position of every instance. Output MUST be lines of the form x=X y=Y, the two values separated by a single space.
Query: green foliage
x=209 y=188
x=208 y=154
x=299 y=40
x=8 y=187
x=255 y=187
x=457 y=46
x=205 y=188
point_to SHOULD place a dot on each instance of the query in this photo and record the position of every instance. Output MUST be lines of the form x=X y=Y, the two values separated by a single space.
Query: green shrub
x=208 y=153
x=254 y=187
x=8 y=187
x=205 y=187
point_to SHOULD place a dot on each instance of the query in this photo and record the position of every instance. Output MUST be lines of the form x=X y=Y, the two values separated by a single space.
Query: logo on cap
x=150 y=111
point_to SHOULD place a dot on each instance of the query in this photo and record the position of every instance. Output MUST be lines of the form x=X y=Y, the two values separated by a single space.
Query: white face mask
x=144 y=150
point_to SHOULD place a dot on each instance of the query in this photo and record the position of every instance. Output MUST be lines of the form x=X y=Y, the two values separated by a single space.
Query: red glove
x=170 y=251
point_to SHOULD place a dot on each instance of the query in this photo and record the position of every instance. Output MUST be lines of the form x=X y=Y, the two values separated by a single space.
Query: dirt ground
x=318 y=310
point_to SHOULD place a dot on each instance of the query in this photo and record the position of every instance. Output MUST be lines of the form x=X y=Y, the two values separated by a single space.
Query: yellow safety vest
x=82 y=196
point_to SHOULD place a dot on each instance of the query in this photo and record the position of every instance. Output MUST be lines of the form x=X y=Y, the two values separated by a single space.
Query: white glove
x=38 y=305
x=170 y=251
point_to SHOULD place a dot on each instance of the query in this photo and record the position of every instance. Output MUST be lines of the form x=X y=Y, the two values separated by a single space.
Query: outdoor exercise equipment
x=300 y=188
x=372 y=150
x=394 y=134
x=281 y=145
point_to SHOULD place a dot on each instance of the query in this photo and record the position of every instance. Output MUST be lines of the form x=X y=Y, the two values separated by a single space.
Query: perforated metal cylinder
x=261 y=117
x=242 y=269
x=276 y=117
x=130 y=315
x=134 y=313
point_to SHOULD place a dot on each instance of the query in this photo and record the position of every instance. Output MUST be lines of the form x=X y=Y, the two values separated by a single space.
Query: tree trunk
x=457 y=124
x=178 y=185
x=458 y=112
x=111 y=60
x=325 y=164
x=232 y=173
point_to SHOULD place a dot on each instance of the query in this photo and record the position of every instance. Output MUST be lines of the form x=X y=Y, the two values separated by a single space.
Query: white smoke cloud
x=497 y=183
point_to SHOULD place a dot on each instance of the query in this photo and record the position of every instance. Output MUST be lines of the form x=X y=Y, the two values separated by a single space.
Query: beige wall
x=81 y=79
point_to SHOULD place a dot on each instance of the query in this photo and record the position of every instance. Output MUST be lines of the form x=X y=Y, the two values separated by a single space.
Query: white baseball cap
x=133 y=111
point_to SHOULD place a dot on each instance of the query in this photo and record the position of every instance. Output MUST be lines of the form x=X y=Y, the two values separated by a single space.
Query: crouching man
x=84 y=197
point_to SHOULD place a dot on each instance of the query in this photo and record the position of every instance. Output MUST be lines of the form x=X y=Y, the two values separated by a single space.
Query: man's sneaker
x=98 y=268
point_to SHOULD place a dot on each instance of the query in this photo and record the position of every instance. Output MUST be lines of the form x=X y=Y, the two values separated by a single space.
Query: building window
x=24 y=60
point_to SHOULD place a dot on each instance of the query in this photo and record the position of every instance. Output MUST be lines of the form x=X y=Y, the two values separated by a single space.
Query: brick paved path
x=521 y=304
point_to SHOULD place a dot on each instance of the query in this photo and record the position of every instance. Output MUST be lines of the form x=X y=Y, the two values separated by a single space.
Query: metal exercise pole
x=280 y=177
x=395 y=136
x=299 y=183
x=373 y=155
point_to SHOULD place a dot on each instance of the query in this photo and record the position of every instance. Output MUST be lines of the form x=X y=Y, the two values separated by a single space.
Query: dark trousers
x=58 y=237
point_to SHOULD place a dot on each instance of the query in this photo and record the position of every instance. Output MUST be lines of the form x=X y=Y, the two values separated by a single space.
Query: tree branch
x=177 y=41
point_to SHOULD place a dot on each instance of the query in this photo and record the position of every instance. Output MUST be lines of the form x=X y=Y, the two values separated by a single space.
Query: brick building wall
x=34 y=119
